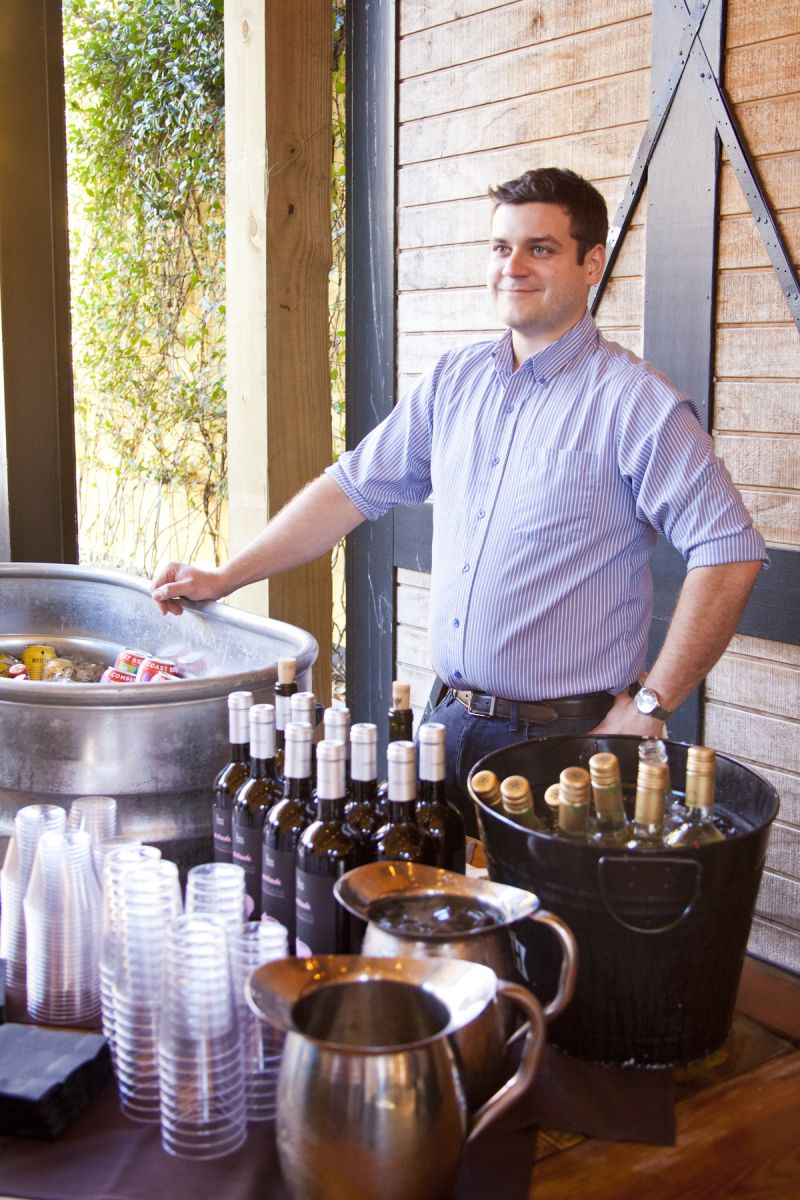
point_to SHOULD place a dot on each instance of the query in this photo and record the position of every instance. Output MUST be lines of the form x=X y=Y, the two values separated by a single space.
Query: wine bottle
x=648 y=817
x=699 y=827
x=434 y=811
x=402 y=838
x=232 y=775
x=517 y=801
x=257 y=795
x=573 y=802
x=284 y=824
x=362 y=814
x=326 y=850
x=401 y=727
x=284 y=689
x=486 y=787
x=653 y=750
x=552 y=800
x=611 y=825
x=336 y=728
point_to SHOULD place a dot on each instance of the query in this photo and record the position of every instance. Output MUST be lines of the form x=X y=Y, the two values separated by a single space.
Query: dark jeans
x=469 y=738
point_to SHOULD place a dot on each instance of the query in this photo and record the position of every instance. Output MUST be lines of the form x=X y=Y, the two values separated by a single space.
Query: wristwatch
x=648 y=702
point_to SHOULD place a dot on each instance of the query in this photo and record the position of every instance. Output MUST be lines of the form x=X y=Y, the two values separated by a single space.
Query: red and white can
x=164 y=677
x=149 y=667
x=130 y=660
x=112 y=675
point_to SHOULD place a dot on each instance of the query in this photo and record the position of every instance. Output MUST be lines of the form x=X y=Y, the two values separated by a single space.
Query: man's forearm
x=311 y=523
x=709 y=608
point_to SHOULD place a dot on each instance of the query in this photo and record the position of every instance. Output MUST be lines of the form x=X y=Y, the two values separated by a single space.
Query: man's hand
x=182 y=581
x=624 y=717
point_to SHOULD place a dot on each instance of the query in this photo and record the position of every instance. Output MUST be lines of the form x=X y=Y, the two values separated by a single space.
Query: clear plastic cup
x=217 y=889
x=252 y=945
x=149 y=898
x=98 y=816
x=29 y=824
x=63 y=918
x=200 y=1062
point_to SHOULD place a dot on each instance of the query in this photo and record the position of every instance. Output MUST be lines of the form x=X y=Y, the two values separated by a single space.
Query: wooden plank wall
x=753 y=694
x=489 y=89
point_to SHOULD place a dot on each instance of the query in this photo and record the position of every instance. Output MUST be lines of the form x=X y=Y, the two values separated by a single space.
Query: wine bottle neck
x=401 y=811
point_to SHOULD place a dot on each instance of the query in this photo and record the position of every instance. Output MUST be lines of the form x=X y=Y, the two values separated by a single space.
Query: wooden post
x=278 y=159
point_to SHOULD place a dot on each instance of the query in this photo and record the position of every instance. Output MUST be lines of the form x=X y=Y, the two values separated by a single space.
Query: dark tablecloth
x=105 y=1156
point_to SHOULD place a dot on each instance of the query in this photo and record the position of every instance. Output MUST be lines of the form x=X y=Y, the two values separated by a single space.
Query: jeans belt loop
x=478 y=712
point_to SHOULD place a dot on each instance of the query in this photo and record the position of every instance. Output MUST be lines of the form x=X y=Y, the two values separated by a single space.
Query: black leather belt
x=540 y=712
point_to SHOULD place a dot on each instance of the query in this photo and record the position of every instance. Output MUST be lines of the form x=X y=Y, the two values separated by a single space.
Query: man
x=554 y=458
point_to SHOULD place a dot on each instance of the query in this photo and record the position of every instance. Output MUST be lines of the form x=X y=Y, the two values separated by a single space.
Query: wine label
x=278 y=888
x=315 y=906
x=247 y=854
x=221 y=827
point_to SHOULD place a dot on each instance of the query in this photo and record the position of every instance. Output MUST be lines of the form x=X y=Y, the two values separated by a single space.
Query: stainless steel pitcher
x=370 y=1100
x=365 y=890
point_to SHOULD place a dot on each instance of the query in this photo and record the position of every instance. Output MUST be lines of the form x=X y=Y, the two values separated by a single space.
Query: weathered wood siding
x=488 y=90
x=753 y=694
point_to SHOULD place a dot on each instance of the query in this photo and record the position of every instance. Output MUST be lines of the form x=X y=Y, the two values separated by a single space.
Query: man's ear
x=594 y=262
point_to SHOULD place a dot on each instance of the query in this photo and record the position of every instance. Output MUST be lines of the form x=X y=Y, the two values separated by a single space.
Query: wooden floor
x=738 y=1118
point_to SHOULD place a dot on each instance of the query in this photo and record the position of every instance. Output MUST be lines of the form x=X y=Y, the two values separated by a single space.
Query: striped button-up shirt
x=550 y=484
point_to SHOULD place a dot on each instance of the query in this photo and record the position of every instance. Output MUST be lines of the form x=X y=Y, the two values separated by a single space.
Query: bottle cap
x=651 y=782
x=297 y=754
x=303 y=707
x=652 y=750
x=330 y=770
x=401 y=695
x=401 y=760
x=574 y=786
x=486 y=786
x=239 y=705
x=287 y=669
x=552 y=796
x=336 y=723
x=262 y=731
x=604 y=769
x=701 y=764
x=363 y=751
x=432 y=738
x=516 y=794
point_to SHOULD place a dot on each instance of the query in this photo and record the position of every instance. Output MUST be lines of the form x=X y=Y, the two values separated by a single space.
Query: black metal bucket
x=661 y=935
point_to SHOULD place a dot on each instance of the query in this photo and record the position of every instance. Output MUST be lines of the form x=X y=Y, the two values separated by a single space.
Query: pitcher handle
x=569 y=961
x=532 y=1049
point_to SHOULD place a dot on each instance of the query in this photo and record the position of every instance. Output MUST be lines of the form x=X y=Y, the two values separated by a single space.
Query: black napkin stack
x=47 y=1077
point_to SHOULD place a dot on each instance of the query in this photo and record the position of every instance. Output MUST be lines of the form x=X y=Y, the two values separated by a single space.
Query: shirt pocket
x=555 y=495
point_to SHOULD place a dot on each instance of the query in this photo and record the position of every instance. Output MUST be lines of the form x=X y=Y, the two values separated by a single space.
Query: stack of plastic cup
x=150 y=899
x=218 y=890
x=63 y=919
x=199 y=1052
x=29 y=825
x=252 y=945
x=98 y=816
x=117 y=860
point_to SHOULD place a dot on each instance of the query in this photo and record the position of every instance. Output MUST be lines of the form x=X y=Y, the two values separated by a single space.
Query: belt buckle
x=488 y=711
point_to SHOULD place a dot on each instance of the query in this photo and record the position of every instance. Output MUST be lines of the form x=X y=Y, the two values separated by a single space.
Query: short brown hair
x=556 y=185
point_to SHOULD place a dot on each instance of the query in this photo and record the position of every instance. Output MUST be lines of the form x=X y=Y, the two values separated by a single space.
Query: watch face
x=646 y=701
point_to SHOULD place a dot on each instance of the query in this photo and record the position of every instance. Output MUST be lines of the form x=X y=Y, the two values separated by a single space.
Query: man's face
x=538 y=286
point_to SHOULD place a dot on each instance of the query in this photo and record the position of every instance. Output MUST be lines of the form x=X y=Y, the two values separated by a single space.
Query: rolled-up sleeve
x=682 y=489
x=392 y=464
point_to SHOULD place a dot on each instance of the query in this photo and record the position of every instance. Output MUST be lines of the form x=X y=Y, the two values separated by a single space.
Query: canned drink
x=163 y=677
x=112 y=675
x=6 y=663
x=59 y=669
x=130 y=660
x=18 y=670
x=149 y=667
x=35 y=657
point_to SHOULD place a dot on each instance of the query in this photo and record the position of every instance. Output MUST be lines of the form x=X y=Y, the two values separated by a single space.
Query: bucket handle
x=633 y=866
x=532 y=1050
x=569 y=961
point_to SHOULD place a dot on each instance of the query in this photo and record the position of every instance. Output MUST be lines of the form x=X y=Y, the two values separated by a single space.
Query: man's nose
x=515 y=264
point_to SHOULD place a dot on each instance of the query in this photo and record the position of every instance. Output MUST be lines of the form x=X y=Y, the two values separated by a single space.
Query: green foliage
x=145 y=111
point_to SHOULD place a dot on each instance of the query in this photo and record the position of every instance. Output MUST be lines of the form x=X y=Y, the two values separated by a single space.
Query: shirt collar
x=548 y=362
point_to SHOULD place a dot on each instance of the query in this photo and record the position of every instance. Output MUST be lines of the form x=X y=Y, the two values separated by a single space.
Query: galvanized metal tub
x=156 y=747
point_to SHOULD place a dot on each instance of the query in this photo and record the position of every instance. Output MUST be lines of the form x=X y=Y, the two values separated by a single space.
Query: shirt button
x=481 y=514
x=457 y=675
x=455 y=622
x=509 y=408
x=465 y=568
x=495 y=461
